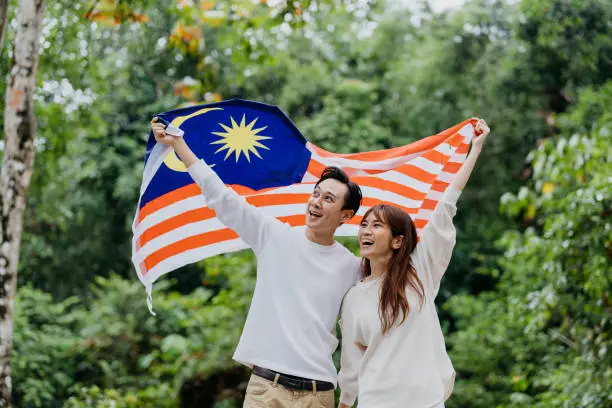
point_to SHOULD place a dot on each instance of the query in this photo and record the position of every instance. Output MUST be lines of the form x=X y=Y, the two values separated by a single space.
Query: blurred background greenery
x=526 y=303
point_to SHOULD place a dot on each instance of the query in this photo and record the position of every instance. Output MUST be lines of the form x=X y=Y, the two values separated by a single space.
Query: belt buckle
x=299 y=384
x=295 y=383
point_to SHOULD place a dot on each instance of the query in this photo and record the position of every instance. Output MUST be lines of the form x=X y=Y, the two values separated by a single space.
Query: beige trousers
x=262 y=393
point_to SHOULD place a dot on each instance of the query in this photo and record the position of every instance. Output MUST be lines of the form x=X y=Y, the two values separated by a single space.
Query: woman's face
x=375 y=238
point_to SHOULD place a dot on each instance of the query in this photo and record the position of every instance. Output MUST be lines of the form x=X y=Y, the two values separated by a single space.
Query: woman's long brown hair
x=400 y=273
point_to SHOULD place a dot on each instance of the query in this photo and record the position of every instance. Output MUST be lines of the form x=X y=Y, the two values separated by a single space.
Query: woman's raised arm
x=463 y=175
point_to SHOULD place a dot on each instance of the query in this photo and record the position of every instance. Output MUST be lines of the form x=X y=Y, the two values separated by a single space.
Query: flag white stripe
x=446 y=177
x=421 y=162
x=360 y=164
x=404 y=180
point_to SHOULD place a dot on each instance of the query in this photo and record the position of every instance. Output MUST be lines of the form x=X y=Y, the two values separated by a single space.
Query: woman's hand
x=343 y=405
x=482 y=132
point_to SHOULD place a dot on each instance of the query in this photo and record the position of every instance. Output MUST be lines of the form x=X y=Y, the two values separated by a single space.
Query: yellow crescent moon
x=172 y=160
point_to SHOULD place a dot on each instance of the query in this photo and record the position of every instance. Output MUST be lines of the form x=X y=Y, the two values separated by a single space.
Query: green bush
x=542 y=339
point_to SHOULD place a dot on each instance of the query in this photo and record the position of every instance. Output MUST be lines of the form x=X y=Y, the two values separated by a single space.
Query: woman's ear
x=396 y=242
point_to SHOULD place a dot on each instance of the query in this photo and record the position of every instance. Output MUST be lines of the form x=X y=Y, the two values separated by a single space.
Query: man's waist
x=298 y=367
x=292 y=382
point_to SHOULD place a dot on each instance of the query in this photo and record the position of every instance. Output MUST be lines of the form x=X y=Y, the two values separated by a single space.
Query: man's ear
x=346 y=215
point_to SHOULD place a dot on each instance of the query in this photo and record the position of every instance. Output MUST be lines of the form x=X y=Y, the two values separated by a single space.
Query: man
x=302 y=275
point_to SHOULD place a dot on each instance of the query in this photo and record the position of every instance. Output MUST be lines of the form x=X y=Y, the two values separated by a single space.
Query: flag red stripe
x=439 y=185
x=187 y=244
x=416 y=173
x=205 y=213
x=390 y=186
x=436 y=157
x=420 y=223
x=204 y=239
x=221 y=235
x=315 y=168
x=463 y=148
x=165 y=200
x=452 y=167
x=429 y=204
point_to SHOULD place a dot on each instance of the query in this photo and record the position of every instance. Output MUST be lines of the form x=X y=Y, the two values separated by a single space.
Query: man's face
x=324 y=211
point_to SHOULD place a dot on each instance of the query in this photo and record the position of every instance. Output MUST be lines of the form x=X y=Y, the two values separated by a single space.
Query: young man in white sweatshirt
x=302 y=275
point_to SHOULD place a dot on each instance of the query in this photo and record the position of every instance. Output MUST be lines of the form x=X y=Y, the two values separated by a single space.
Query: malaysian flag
x=258 y=151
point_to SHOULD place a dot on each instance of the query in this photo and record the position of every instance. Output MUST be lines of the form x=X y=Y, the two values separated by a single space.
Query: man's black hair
x=352 y=200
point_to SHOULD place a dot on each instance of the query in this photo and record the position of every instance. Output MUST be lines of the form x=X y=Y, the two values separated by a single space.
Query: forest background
x=526 y=303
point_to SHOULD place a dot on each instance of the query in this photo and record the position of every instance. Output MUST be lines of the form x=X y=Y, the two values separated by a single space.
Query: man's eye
x=329 y=199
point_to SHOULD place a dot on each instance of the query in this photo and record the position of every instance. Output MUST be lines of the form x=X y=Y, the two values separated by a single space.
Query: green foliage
x=43 y=363
x=161 y=396
x=528 y=315
x=553 y=297
x=112 y=352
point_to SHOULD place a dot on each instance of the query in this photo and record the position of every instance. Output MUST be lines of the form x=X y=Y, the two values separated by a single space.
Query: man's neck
x=320 y=237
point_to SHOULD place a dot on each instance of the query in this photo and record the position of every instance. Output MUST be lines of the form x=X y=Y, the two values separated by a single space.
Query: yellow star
x=240 y=139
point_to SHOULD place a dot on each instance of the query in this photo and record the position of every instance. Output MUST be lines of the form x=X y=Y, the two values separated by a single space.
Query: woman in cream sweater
x=393 y=351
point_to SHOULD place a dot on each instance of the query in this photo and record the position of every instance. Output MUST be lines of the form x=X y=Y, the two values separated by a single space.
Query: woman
x=393 y=351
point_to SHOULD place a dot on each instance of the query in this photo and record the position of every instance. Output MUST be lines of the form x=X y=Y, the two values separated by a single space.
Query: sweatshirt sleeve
x=435 y=248
x=249 y=222
x=350 y=357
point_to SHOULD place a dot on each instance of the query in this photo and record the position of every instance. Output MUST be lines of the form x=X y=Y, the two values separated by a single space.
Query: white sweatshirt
x=291 y=324
x=408 y=367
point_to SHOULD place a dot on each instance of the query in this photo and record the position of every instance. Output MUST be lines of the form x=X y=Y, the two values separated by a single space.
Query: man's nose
x=316 y=201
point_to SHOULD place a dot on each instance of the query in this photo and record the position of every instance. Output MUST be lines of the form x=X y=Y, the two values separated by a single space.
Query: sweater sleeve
x=435 y=248
x=350 y=357
x=250 y=223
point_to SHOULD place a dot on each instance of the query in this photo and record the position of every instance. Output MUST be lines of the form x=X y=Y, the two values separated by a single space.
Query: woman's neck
x=378 y=267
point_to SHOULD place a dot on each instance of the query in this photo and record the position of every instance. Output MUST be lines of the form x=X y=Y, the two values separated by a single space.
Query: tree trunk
x=3 y=21
x=19 y=131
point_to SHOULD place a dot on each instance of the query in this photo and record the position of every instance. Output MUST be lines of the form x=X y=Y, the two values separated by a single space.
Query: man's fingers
x=158 y=132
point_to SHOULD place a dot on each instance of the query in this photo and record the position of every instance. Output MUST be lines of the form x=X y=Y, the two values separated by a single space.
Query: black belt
x=291 y=381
